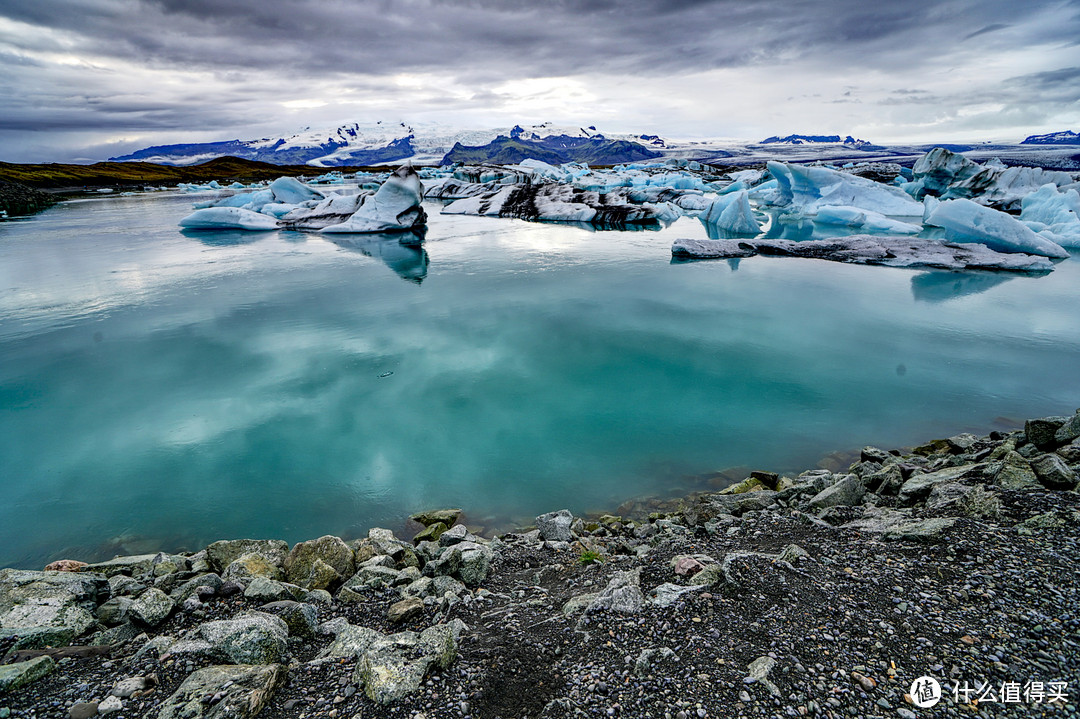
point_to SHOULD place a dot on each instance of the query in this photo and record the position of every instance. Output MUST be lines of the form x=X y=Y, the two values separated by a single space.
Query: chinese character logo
x=925 y=692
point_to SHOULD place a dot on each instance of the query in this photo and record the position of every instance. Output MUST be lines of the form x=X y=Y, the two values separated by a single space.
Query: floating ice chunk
x=869 y=250
x=867 y=220
x=665 y=212
x=543 y=169
x=736 y=186
x=237 y=186
x=394 y=206
x=930 y=203
x=277 y=209
x=556 y=203
x=805 y=189
x=967 y=221
x=1005 y=187
x=749 y=177
x=1055 y=213
x=291 y=191
x=334 y=210
x=939 y=169
x=248 y=200
x=731 y=213
x=228 y=218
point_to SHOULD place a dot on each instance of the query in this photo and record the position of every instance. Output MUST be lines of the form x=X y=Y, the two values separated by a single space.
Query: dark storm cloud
x=200 y=63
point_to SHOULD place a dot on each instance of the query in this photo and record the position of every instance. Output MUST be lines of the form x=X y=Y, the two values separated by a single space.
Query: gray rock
x=114 y=611
x=430 y=533
x=267 y=590
x=1016 y=473
x=350 y=641
x=152 y=607
x=667 y=594
x=622 y=594
x=253 y=638
x=83 y=710
x=453 y=536
x=1051 y=470
x=405 y=610
x=240 y=692
x=50 y=599
x=393 y=667
x=221 y=554
x=792 y=554
x=121 y=585
x=301 y=618
x=578 y=604
x=251 y=565
x=126 y=688
x=15 y=676
x=449 y=517
x=923 y=530
x=132 y=566
x=115 y=635
x=1040 y=432
x=475 y=564
x=887 y=480
x=38 y=637
x=1069 y=431
x=947 y=496
x=650 y=660
x=873 y=454
x=961 y=443
x=192 y=586
x=919 y=485
x=555 y=526
x=759 y=670
x=321 y=563
x=110 y=705
x=847 y=492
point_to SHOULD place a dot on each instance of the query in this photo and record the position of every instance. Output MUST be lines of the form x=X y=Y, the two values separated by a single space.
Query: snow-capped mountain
x=1066 y=137
x=385 y=142
x=813 y=140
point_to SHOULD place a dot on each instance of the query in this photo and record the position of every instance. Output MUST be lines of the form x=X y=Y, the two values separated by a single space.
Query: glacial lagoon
x=162 y=389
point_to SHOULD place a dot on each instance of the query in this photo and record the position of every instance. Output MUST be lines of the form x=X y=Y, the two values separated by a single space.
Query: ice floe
x=228 y=218
x=556 y=203
x=967 y=221
x=732 y=214
x=394 y=206
x=868 y=250
x=1053 y=214
x=806 y=189
x=866 y=220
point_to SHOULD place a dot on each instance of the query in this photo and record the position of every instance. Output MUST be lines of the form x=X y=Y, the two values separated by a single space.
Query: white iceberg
x=228 y=218
x=967 y=221
x=559 y=203
x=1053 y=214
x=868 y=250
x=940 y=169
x=866 y=220
x=334 y=210
x=806 y=189
x=394 y=206
x=731 y=213
x=1006 y=187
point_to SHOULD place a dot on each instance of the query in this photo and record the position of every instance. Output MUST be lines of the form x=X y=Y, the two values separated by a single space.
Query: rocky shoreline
x=823 y=594
x=16 y=199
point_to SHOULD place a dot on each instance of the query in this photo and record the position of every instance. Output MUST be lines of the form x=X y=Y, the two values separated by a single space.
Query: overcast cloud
x=92 y=78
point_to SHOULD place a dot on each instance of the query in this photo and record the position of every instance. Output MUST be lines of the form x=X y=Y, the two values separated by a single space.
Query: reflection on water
x=402 y=252
x=944 y=286
x=160 y=392
x=223 y=238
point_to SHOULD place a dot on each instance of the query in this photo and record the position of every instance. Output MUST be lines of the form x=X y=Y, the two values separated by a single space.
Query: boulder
x=667 y=594
x=1051 y=470
x=221 y=554
x=1016 y=473
x=65 y=565
x=50 y=599
x=1040 y=432
x=1069 y=431
x=405 y=610
x=449 y=517
x=301 y=618
x=651 y=659
x=267 y=590
x=152 y=607
x=17 y=675
x=555 y=526
x=197 y=586
x=253 y=638
x=237 y=692
x=430 y=533
x=132 y=566
x=622 y=594
x=887 y=480
x=393 y=667
x=36 y=637
x=923 y=530
x=475 y=564
x=251 y=565
x=919 y=485
x=847 y=492
x=320 y=563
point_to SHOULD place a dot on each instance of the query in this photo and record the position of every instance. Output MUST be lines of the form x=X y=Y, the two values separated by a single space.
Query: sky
x=82 y=80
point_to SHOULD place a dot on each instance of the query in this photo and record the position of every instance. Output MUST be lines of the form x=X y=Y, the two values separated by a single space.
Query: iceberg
x=967 y=221
x=1005 y=187
x=806 y=189
x=1053 y=214
x=731 y=213
x=393 y=207
x=291 y=191
x=938 y=170
x=867 y=220
x=228 y=218
x=334 y=210
x=868 y=250
x=557 y=203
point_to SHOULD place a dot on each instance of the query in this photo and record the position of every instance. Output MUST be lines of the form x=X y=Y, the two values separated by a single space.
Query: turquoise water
x=162 y=390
